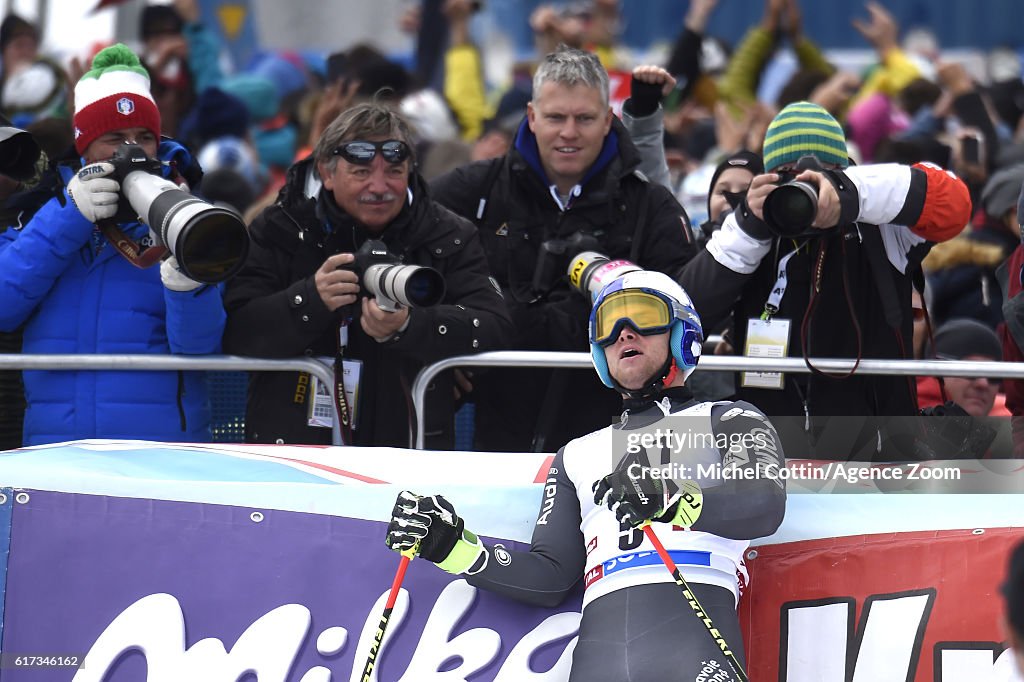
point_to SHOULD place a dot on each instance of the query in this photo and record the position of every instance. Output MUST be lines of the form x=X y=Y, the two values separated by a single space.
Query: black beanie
x=13 y=26
x=962 y=336
x=741 y=159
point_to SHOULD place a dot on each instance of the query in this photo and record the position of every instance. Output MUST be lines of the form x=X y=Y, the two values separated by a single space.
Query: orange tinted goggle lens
x=645 y=312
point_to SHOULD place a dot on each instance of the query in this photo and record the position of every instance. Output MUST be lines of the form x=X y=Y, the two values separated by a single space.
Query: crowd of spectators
x=496 y=187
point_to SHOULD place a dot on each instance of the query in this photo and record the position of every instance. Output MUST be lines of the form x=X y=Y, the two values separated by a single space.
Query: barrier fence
x=536 y=359
x=715 y=363
x=207 y=363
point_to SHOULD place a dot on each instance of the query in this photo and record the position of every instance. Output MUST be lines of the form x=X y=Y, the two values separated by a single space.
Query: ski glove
x=429 y=526
x=174 y=279
x=93 y=193
x=637 y=497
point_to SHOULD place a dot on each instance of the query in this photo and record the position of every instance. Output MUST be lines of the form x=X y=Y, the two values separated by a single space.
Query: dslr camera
x=209 y=242
x=391 y=283
x=790 y=208
x=555 y=256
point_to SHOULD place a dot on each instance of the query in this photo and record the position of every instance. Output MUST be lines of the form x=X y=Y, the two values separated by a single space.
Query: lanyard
x=340 y=401
x=774 y=301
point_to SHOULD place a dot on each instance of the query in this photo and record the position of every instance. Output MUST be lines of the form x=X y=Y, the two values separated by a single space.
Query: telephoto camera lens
x=210 y=242
x=790 y=208
x=413 y=286
x=590 y=271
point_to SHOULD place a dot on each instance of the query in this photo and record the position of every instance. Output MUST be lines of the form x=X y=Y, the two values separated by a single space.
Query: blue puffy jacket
x=75 y=294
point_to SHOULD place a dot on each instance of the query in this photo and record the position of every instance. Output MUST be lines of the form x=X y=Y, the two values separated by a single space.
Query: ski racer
x=645 y=340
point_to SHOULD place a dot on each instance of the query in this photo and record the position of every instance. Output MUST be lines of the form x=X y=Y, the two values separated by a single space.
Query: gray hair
x=360 y=122
x=569 y=66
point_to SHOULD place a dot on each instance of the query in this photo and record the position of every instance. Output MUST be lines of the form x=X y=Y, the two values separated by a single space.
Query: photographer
x=833 y=281
x=572 y=173
x=61 y=275
x=21 y=161
x=301 y=294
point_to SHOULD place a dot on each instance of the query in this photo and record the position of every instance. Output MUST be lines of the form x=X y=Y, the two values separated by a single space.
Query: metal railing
x=715 y=363
x=207 y=363
x=535 y=359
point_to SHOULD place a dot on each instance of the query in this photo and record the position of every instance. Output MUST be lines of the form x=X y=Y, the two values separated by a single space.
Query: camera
x=590 y=271
x=382 y=274
x=790 y=208
x=18 y=151
x=555 y=255
x=209 y=242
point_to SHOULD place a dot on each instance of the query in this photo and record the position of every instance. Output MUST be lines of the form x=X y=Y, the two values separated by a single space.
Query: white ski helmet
x=679 y=318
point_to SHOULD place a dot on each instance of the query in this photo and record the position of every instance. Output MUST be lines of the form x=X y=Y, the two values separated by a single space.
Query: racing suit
x=636 y=625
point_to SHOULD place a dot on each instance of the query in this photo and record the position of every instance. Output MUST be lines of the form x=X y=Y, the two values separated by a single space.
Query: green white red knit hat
x=113 y=95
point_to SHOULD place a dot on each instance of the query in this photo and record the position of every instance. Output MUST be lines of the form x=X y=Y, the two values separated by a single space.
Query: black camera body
x=555 y=256
x=129 y=158
x=789 y=210
x=392 y=283
x=132 y=157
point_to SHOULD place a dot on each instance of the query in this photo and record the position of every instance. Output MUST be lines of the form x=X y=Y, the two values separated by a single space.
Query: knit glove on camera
x=93 y=193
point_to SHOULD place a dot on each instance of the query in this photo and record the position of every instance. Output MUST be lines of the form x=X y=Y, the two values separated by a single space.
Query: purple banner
x=159 y=590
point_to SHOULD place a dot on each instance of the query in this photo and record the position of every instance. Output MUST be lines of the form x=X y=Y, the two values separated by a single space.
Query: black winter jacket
x=274 y=311
x=847 y=294
x=516 y=213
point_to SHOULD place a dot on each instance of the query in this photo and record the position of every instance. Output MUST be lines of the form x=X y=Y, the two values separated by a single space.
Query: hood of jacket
x=962 y=251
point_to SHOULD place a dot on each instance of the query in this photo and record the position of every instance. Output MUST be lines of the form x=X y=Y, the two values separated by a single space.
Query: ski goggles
x=646 y=312
x=362 y=152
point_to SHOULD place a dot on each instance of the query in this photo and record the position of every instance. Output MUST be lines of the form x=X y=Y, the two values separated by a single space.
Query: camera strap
x=805 y=326
x=131 y=250
x=340 y=399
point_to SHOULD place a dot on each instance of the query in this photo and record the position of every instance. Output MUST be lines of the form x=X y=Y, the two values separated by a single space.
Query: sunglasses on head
x=361 y=152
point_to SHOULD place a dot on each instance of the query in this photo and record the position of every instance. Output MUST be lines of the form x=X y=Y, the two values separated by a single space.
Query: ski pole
x=378 y=638
x=691 y=599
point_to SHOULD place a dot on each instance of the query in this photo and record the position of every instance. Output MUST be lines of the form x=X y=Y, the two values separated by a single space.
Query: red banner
x=902 y=606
